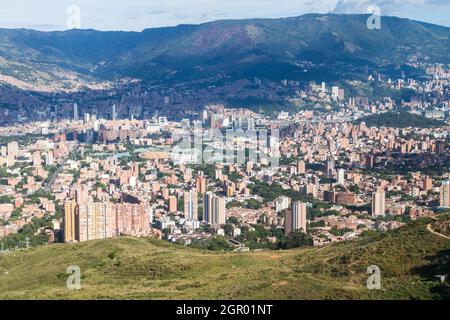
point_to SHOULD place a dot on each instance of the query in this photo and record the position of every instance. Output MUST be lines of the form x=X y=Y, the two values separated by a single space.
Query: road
x=436 y=233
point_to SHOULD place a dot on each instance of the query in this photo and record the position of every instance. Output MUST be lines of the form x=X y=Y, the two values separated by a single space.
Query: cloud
x=140 y=14
x=387 y=6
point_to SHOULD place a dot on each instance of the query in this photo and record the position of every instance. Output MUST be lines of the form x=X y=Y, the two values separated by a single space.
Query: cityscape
x=282 y=180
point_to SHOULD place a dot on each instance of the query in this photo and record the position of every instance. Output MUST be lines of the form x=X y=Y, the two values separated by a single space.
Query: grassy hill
x=129 y=268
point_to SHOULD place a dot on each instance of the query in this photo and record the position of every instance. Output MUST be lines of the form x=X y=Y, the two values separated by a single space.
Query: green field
x=129 y=268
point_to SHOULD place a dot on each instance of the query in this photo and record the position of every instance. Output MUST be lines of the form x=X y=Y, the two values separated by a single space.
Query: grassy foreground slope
x=129 y=268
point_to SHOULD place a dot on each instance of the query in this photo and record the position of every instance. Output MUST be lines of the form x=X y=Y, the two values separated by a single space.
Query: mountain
x=328 y=46
x=131 y=268
x=399 y=120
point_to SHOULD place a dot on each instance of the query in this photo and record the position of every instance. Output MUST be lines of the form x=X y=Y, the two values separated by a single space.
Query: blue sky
x=140 y=14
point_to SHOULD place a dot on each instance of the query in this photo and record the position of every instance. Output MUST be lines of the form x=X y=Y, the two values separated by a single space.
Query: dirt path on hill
x=436 y=233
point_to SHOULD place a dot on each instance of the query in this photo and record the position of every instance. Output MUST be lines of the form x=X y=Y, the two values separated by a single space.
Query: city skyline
x=290 y=158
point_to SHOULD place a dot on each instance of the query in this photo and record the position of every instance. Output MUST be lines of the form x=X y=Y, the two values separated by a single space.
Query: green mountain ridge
x=335 y=44
x=131 y=268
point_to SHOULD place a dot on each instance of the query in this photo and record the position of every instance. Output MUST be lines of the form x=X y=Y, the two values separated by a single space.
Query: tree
x=233 y=220
x=296 y=239
x=6 y=199
x=228 y=229
x=213 y=244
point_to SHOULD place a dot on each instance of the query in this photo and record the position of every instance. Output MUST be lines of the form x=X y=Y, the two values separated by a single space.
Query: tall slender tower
x=56 y=113
x=75 y=112
x=113 y=112
x=69 y=221
x=218 y=210
x=207 y=207
x=299 y=216
x=378 y=203
x=191 y=205
x=445 y=194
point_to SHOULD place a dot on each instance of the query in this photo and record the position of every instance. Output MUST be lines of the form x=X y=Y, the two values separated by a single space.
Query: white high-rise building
x=113 y=112
x=49 y=160
x=378 y=203
x=13 y=148
x=341 y=176
x=191 y=205
x=299 y=216
x=282 y=203
x=335 y=92
x=75 y=112
x=214 y=210
x=218 y=210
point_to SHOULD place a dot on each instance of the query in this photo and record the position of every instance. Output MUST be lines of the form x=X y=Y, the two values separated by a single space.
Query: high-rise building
x=56 y=114
x=10 y=160
x=370 y=161
x=207 y=207
x=218 y=210
x=299 y=216
x=329 y=166
x=204 y=117
x=69 y=221
x=173 y=204
x=133 y=219
x=82 y=194
x=75 y=112
x=214 y=209
x=37 y=160
x=282 y=203
x=440 y=146
x=288 y=222
x=341 y=176
x=201 y=184
x=427 y=183
x=378 y=203
x=335 y=92
x=301 y=168
x=230 y=189
x=113 y=112
x=13 y=148
x=329 y=196
x=98 y=220
x=49 y=159
x=445 y=194
x=191 y=205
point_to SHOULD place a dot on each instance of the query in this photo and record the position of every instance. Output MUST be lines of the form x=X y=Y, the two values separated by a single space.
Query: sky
x=136 y=15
